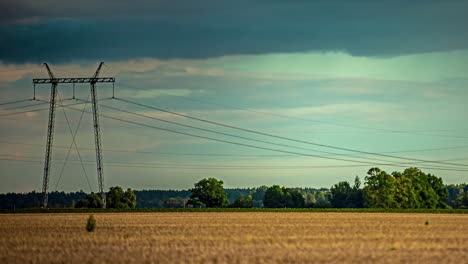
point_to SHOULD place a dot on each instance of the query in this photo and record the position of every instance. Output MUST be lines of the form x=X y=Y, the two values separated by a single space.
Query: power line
x=247 y=145
x=286 y=138
x=15 y=102
x=224 y=167
x=23 y=106
x=220 y=154
x=241 y=137
x=312 y=120
x=34 y=110
x=46 y=108
x=230 y=135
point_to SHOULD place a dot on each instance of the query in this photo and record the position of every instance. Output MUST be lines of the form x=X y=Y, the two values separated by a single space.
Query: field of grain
x=235 y=238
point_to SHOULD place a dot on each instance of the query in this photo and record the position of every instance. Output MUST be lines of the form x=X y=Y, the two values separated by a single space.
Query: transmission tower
x=51 y=124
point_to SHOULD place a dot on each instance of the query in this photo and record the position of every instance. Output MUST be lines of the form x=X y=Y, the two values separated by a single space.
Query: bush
x=91 y=224
x=92 y=200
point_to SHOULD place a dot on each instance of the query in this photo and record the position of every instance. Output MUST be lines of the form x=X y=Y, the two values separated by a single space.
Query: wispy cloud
x=153 y=93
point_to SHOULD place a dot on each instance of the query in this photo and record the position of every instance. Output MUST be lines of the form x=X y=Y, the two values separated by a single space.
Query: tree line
x=116 y=198
x=411 y=188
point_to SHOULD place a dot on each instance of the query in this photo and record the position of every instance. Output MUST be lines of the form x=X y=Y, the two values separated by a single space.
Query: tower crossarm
x=75 y=80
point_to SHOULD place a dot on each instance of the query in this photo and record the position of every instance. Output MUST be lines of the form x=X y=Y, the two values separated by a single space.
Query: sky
x=342 y=86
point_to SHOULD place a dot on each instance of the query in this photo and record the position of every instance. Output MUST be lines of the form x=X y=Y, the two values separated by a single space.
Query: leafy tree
x=465 y=200
x=341 y=194
x=209 y=192
x=423 y=190
x=273 y=197
x=323 y=199
x=456 y=194
x=310 y=199
x=117 y=198
x=410 y=189
x=345 y=196
x=92 y=200
x=356 y=198
x=242 y=202
x=259 y=192
x=297 y=199
x=379 y=190
x=437 y=184
x=281 y=197
x=129 y=198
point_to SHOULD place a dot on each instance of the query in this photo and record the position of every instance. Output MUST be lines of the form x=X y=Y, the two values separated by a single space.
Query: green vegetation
x=242 y=202
x=282 y=197
x=91 y=224
x=285 y=210
x=92 y=200
x=409 y=189
x=345 y=196
x=457 y=195
x=208 y=193
x=117 y=198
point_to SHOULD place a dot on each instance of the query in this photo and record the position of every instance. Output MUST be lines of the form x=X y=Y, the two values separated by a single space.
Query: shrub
x=91 y=224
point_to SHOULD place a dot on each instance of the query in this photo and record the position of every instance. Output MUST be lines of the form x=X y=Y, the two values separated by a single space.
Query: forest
x=411 y=188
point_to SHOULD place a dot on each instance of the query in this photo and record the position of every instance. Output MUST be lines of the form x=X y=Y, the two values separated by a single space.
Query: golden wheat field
x=236 y=237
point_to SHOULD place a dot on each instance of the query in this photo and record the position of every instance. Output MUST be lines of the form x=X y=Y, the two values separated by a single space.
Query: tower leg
x=50 y=136
x=97 y=141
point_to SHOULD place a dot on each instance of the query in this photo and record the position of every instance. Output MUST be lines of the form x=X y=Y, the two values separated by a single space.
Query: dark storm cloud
x=61 y=31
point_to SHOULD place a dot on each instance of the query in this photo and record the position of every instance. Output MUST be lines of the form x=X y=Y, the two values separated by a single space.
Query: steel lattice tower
x=51 y=125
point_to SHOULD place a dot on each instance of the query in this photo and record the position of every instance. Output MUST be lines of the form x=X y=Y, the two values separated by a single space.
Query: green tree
x=379 y=190
x=117 y=198
x=129 y=198
x=92 y=200
x=421 y=192
x=341 y=194
x=356 y=198
x=282 y=197
x=439 y=188
x=297 y=199
x=273 y=197
x=209 y=192
x=345 y=196
x=465 y=200
x=259 y=193
x=410 y=189
x=242 y=202
x=322 y=199
x=456 y=194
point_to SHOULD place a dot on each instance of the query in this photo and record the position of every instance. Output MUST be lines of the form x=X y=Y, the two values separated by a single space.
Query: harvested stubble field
x=235 y=237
